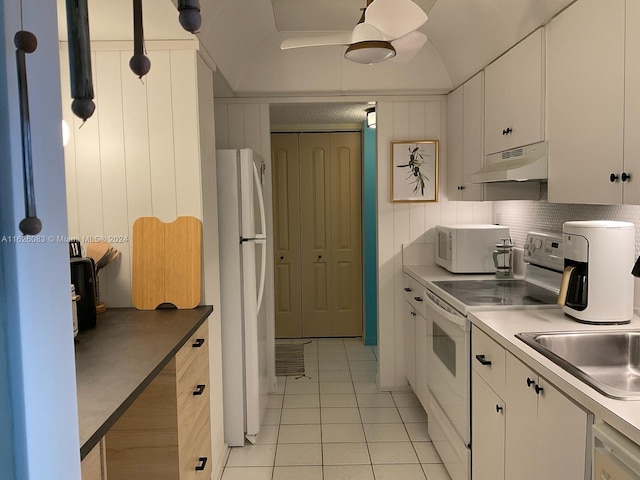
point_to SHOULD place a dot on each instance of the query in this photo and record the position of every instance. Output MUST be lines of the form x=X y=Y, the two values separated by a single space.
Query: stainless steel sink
x=609 y=361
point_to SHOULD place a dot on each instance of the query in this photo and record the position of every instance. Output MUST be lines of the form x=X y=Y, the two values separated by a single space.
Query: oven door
x=448 y=355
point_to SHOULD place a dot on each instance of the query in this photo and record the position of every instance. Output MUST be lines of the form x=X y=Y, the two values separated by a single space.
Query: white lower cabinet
x=420 y=339
x=522 y=427
x=409 y=343
x=546 y=433
x=488 y=431
x=415 y=337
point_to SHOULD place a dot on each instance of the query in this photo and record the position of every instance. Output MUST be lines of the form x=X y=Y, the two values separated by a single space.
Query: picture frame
x=414 y=171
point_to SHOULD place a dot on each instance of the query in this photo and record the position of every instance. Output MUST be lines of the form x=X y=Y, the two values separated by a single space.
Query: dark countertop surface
x=116 y=361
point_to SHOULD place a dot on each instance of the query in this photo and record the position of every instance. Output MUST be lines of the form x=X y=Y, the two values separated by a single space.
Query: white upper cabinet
x=514 y=96
x=465 y=138
x=586 y=102
x=631 y=187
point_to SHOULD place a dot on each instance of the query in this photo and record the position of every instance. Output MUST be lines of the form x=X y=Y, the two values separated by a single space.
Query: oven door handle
x=458 y=320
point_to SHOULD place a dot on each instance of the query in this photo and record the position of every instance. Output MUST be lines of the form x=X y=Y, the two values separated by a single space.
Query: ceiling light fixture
x=368 y=45
x=370 y=52
x=371 y=117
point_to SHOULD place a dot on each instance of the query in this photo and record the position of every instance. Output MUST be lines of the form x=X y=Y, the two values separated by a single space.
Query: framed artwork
x=414 y=171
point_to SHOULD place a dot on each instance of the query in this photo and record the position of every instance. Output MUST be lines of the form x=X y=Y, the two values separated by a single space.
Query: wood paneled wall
x=138 y=155
x=401 y=223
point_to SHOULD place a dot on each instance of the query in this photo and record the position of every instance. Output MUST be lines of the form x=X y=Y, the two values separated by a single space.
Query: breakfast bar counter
x=119 y=358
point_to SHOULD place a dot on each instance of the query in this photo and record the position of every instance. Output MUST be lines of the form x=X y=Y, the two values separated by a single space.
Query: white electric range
x=449 y=339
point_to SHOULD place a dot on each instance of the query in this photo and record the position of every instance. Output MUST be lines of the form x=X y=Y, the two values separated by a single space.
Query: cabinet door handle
x=413 y=314
x=499 y=408
x=417 y=299
x=625 y=176
x=202 y=461
x=539 y=389
x=199 y=390
x=483 y=360
x=507 y=131
x=530 y=382
x=461 y=187
x=613 y=178
x=408 y=289
x=198 y=343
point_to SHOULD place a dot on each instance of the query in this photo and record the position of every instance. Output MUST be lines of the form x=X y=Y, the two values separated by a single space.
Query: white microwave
x=468 y=248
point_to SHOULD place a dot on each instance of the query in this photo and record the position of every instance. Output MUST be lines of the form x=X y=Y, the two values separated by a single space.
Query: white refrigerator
x=245 y=342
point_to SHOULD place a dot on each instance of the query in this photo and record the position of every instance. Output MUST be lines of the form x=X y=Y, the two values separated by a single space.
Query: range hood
x=517 y=165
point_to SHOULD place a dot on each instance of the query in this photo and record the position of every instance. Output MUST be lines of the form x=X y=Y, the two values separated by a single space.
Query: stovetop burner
x=497 y=292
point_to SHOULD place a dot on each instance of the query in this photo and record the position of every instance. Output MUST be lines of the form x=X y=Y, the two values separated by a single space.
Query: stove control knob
x=538 y=243
x=530 y=246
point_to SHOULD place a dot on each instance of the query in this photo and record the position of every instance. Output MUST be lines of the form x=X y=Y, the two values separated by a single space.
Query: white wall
x=39 y=426
x=401 y=223
x=137 y=156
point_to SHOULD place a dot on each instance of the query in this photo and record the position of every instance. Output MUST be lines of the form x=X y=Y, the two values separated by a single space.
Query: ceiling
x=322 y=15
x=243 y=38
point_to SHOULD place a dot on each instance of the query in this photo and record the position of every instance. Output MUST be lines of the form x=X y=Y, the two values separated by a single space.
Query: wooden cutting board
x=167 y=263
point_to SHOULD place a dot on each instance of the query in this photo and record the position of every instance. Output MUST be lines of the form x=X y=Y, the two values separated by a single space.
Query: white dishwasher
x=615 y=457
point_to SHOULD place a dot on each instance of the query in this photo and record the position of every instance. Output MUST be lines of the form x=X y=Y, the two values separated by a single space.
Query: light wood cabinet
x=465 y=121
x=539 y=419
x=166 y=433
x=586 y=102
x=514 y=96
x=92 y=466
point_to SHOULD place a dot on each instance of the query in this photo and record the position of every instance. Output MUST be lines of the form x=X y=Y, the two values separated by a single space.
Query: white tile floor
x=334 y=424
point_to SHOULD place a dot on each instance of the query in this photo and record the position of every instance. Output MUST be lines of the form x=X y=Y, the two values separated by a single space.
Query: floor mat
x=290 y=359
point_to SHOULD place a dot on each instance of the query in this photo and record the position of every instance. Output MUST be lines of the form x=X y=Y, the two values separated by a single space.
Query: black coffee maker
x=84 y=279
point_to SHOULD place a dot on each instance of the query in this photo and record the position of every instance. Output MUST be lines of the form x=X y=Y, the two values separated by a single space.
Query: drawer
x=414 y=294
x=194 y=433
x=190 y=381
x=196 y=345
x=488 y=360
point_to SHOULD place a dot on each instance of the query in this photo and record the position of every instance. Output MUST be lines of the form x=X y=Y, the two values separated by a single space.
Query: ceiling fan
x=386 y=31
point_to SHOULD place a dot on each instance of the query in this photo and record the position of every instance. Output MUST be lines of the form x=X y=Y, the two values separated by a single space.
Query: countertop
x=624 y=415
x=423 y=273
x=116 y=361
x=503 y=324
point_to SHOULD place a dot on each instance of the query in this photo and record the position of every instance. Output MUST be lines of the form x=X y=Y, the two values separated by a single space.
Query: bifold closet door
x=318 y=201
x=286 y=228
x=330 y=212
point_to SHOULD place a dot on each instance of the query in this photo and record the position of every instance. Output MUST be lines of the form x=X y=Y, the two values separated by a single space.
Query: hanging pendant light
x=80 y=58
x=189 y=17
x=139 y=63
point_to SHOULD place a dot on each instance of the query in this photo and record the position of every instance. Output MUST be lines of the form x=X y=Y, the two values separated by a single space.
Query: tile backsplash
x=523 y=216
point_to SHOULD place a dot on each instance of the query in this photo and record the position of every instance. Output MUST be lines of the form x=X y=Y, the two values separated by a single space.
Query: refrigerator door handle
x=263 y=271
x=263 y=221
